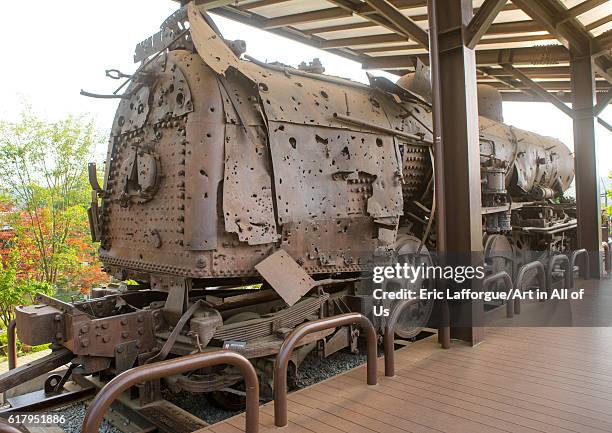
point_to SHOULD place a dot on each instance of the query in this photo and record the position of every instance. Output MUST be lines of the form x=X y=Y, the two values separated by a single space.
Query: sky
x=53 y=49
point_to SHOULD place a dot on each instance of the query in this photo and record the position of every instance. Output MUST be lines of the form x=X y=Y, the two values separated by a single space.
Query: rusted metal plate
x=314 y=100
x=247 y=189
x=331 y=173
x=285 y=276
x=210 y=46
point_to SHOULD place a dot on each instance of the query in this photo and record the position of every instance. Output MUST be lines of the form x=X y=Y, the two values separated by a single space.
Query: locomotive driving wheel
x=415 y=317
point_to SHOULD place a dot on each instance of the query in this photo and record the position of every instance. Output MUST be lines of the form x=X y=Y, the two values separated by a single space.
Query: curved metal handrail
x=518 y=284
x=7 y=428
x=12 y=344
x=157 y=370
x=551 y=264
x=573 y=257
x=389 y=337
x=493 y=278
x=282 y=359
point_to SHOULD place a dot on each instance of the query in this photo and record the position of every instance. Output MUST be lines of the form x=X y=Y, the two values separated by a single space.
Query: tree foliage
x=14 y=291
x=43 y=172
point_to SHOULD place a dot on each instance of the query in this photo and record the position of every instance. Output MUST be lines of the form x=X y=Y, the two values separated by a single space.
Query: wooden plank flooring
x=520 y=380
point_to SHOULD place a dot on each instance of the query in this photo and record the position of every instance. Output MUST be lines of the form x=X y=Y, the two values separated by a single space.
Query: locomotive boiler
x=224 y=173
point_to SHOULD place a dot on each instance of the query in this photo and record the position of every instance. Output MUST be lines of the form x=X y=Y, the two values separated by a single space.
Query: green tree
x=43 y=170
x=17 y=292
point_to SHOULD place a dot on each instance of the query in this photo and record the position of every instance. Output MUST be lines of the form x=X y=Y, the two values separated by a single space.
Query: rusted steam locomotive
x=225 y=172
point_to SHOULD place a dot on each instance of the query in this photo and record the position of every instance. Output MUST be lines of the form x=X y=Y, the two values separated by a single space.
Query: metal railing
x=7 y=428
x=12 y=344
x=539 y=267
x=158 y=370
x=494 y=278
x=566 y=275
x=607 y=258
x=389 y=337
x=282 y=359
x=573 y=258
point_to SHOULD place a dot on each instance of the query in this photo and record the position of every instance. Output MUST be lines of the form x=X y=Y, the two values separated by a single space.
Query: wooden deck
x=519 y=380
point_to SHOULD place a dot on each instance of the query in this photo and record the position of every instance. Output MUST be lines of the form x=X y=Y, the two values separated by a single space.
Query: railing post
x=389 y=337
x=501 y=275
x=282 y=359
x=12 y=344
x=573 y=257
x=521 y=276
x=157 y=370
x=566 y=277
x=607 y=262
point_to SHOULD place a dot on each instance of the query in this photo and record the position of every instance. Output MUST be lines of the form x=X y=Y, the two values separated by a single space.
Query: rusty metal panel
x=327 y=173
x=210 y=46
x=342 y=243
x=313 y=101
x=247 y=188
x=285 y=276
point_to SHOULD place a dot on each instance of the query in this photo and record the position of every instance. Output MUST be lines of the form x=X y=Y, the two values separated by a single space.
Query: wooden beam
x=306 y=17
x=408 y=27
x=262 y=3
x=602 y=102
x=518 y=56
x=556 y=19
x=498 y=28
x=604 y=124
x=482 y=20
x=588 y=201
x=602 y=44
x=536 y=88
x=373 y=17
x=553 y=86
x=600 y=22
x=363 y=40
x=583 y=7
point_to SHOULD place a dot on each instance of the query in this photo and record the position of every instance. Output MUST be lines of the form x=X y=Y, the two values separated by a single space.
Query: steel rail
x=493 y=278
x=286 y=349
x=389 y=337
x=539 y=267
x=566 y=277
x=158 y=370
x=12 y=344
x=573 y=258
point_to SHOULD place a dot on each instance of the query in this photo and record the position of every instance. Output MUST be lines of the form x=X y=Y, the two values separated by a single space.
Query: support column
x=457 y=154
x=585 y=159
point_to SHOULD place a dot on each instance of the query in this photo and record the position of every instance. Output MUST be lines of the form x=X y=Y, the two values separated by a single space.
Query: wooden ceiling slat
x=600 y=22
x=306 y=17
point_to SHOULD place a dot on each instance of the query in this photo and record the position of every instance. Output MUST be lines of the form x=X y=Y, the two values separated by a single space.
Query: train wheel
x=412 y=320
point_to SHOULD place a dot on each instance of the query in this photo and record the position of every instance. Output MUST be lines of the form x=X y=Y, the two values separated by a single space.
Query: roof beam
x=362 y=40
x=306 y=17
x=262 y=3
x=482 y=20
x=537 y=89
x=511 y=27
x=373 y=17
x=518 y=56
x=602 y=44
x=583 y=7
x=408 y=27
x=600 y=22
x=602 y=103
x=557 y=20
